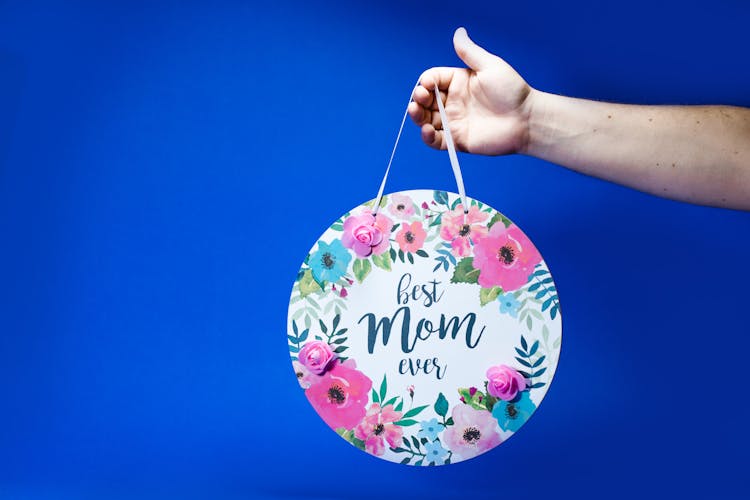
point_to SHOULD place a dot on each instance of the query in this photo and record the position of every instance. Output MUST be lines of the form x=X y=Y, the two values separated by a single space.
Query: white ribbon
x=451 y=153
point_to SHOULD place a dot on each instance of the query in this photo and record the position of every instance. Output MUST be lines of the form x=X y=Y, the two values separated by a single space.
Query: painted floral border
x=477 y=245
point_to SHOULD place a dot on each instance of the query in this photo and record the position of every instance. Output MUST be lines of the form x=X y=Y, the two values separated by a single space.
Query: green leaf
x=553 y=312
x=465 y=272
x=498 y=217
x=337 y=226
x=395 y=226
x=323 y=327
x=441 y=405
x=392 y=253
x=538 y=385
x=414 y=411
x=529 y=322
x=534 y=347
x=523 y=362
x=307 y=284
x=538 y=362
x=303 y=335
x=534 y=287
x=383 y=261
x=524 y=345
x=401 y=255
x=398 y=450
x=405 y=423
x=361 y=268
x=410 y=257
x=416 y=443
x=520 y=352
x=358 y=443
x=487 y=295
x=436 y=221
x=548 y=303
x=375 y=397
x=422 y=253
x=399 y=405
x=340 y=349
x=440 y=197
x=539 y=372
x=339 y=341
x=383 y=389
x=477 y=401
x=406 y=460
x=406 y=442
x=390 y=401
x=556 y=343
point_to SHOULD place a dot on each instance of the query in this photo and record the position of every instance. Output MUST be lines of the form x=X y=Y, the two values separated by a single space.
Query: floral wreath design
x=479 y=246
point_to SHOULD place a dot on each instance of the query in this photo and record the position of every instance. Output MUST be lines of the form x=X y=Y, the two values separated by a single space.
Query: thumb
x=470 y=53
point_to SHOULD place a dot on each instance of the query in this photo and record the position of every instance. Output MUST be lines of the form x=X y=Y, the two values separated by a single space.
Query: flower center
x=300 y=374
x=400 y=206
x=511 y=411
x=464 y=230
x=328 y=260
x=409 y=237
x=378 y=430
x=336 y=394
x=506 y=254
x=472 y=435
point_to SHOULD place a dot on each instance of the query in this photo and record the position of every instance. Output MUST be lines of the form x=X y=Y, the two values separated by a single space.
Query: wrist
x=534 y=108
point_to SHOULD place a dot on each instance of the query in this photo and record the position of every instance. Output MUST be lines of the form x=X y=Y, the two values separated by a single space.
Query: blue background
x=165 y=166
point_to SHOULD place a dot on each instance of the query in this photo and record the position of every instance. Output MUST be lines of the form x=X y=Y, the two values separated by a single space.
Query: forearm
x=699 y=154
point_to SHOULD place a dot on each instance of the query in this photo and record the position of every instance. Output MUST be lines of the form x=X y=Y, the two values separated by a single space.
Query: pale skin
x=696 y=154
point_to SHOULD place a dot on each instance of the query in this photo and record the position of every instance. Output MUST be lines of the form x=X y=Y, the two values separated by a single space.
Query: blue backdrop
x=165 y=166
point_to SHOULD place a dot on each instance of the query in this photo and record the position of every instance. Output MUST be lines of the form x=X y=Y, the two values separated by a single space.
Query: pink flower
x=377 y=427
x=316 y=356
x=367 y=234
x=425 y=205
x=473 y=432
x=343 y=293
x=505 y=258
x=304 y=377
x=340 y=395
x=463 y=230
x=505 y=382
x=411 y=237
x=401 y=206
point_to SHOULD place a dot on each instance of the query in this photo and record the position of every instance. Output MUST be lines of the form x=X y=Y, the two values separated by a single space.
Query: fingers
x=433 y=138
x=441 y=76
x=470 y=53
x=424 y=109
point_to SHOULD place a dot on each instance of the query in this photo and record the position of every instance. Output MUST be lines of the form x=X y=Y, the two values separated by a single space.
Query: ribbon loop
x=449 y=145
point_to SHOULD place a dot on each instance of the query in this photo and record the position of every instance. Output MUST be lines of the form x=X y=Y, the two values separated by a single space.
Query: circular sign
x=426 y=334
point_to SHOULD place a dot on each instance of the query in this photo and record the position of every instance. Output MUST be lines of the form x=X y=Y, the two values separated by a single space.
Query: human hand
x=487 y=104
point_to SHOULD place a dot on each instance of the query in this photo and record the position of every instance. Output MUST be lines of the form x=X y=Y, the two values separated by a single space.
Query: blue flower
x=508 y=304
x=511 y=415
x=430 y=429
x=435 y=452
x=330 y=262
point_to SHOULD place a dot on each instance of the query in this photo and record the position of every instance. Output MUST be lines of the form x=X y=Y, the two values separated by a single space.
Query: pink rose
x=367 y=234
x=316 y=356
x=505 y=382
